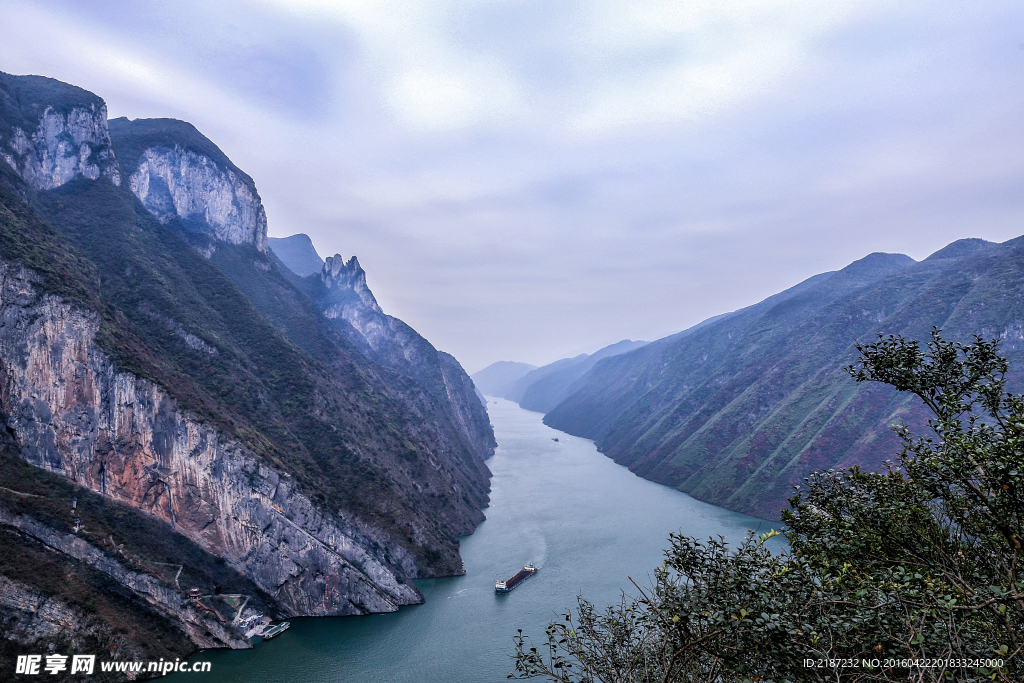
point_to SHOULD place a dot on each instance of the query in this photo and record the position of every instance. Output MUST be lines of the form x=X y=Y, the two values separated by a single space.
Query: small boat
x=276 y=630
x=523 y=574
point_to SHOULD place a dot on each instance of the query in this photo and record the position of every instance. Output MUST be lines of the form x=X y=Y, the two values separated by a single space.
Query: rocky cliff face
x=33 y=616
x=214 y=416
x=173 y=182
x=49 y=145
x=181 y=177
x=350 y=299
x=345 y=296
x=39 y=623
x=73 y=414
x=40 y=617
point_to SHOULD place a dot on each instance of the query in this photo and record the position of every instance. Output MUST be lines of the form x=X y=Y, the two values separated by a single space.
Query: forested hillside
x=740 y=410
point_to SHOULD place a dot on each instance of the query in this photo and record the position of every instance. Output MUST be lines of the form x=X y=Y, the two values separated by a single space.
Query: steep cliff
x=166 y=601
x=179 y=175
x=339 y=291
x=85 y=574
x=155 y=153
x=73 y=414
x=52 y=132
x=344 y=297
x=158 y=357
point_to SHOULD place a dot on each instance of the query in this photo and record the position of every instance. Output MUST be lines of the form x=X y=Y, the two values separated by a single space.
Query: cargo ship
x=276 y=630
x=523 y=574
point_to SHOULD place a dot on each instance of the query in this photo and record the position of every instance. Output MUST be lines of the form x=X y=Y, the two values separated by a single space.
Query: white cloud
x=128 y=74
x=717 y=54
x=428 y=82
x=523 y=177
x=632 y=62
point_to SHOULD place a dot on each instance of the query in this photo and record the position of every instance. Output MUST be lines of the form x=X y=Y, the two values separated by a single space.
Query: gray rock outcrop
x=124 y=437
x=32 y=616
x=174 y=182
x=392 y=343
x=50 y=145
x=40 y=617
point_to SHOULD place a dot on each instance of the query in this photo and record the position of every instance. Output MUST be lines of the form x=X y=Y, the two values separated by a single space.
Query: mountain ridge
x=496 y=377
x=738 y=412
x=297 y=254
x=157 y=356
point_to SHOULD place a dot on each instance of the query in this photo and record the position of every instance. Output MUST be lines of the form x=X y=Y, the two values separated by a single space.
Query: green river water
x=587 y=523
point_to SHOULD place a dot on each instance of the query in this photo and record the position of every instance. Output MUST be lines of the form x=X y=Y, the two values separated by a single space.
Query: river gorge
x=587 y=523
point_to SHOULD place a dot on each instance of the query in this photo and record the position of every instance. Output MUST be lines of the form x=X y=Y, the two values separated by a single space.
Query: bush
x=906 y=574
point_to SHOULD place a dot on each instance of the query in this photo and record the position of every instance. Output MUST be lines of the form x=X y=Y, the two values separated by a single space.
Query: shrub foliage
x=910 y=574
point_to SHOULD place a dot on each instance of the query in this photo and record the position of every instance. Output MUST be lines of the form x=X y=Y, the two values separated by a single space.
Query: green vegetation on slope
x=912 y=574
x=113 y=617
x=324 y=419
x=740 y=411
x=26 y=239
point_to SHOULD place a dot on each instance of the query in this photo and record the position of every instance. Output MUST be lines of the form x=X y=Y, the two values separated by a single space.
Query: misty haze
x=456 y=341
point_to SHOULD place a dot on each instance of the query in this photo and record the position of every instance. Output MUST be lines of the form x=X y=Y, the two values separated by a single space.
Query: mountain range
x=541 y=389
x=194 y=434
x=738 y=410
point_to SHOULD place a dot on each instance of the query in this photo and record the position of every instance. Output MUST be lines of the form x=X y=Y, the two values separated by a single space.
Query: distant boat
x=276 y=630
x=523 y=574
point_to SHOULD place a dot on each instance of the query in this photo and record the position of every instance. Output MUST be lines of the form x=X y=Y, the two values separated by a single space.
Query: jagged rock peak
x=179 y=174
x=52 y=132
x=339 y=277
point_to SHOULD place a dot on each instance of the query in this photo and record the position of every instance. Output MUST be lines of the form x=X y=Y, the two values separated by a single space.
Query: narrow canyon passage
x=586 y=523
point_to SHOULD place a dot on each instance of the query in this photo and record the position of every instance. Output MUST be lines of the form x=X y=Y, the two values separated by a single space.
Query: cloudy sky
x=527 y=179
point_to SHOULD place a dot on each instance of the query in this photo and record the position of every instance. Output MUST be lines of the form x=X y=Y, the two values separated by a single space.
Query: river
x=586 y=522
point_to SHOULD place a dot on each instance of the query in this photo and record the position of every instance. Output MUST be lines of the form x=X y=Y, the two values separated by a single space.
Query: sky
x=525 y=180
